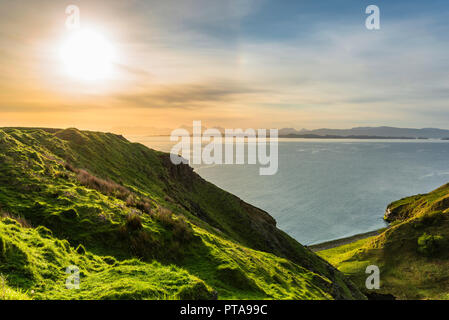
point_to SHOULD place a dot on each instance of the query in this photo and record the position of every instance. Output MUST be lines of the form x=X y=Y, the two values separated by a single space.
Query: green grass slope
x=35 y=262
x=412 y=255
x=138 y=227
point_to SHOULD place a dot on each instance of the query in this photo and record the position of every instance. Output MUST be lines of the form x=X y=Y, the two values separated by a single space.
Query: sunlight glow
x=87 y=56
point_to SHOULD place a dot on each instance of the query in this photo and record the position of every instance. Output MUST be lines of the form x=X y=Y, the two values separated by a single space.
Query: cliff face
x=109 y=201
x=401 y=210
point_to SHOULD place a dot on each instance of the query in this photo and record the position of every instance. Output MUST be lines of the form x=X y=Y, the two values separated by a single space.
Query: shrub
x=133 y=222
x=110 y=188
x=429 y=245
x=165 y=217
x=177 y=224
x=430 y=218
x=130 y=201
x=144 y=206
x=182 y=230
x=104 y=186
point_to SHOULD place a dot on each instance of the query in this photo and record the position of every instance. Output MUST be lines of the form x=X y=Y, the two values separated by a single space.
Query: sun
x=87 y=55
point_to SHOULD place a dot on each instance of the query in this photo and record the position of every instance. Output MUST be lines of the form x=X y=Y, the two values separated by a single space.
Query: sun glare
x=87 y=55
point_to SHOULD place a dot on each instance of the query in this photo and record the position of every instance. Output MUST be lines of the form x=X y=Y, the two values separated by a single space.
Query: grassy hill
x=412 y=254
x=138 y=227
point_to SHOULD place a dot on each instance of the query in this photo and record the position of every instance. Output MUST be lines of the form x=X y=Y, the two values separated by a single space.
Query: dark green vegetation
x=138 y=227
x=412 y=254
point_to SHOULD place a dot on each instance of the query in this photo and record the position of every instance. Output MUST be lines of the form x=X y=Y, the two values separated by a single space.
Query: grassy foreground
x=412 y=254
x=138 y=227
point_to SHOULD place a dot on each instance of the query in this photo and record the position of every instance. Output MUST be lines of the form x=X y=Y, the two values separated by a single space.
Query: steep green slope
x=412 y=254
x=112 y=198
x=36 y=262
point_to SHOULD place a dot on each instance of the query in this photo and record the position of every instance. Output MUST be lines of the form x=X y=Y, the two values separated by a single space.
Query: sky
x=232 y=64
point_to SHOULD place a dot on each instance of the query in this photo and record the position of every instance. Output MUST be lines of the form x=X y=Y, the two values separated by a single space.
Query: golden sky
x=237 y=63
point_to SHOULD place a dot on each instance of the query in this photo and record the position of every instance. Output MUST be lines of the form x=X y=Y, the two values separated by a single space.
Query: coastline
x=342 y=241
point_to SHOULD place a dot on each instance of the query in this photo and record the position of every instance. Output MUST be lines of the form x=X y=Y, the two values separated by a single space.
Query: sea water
x=329 y=189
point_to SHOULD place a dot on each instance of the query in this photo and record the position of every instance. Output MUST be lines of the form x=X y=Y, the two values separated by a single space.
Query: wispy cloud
x=189 y=96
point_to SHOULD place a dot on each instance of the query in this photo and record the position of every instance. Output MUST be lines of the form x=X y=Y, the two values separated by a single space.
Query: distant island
x=315 y=136
x=353 y=133
x=366 y=133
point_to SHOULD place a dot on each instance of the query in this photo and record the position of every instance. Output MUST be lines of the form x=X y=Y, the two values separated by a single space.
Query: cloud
x=248 y=60
x=404 y=63
x=188 y=96
x=133 y=71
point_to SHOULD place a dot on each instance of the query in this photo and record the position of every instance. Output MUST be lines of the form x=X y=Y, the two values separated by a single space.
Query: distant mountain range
x=367 y=132
x=325 y=133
